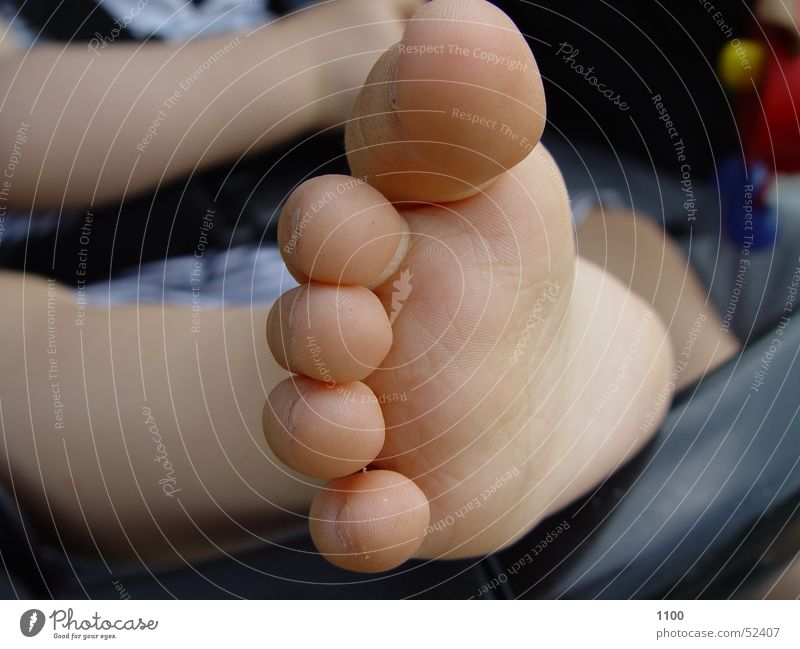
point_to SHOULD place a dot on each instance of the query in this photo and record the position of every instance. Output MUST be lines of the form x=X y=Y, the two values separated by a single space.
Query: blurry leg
x=138 y=429
x=636 y=251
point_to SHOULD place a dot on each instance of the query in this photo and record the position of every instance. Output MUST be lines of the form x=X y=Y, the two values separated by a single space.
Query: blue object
x=747 y=220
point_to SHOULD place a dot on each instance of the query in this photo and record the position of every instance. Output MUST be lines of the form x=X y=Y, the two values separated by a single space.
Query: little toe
x=370 y=521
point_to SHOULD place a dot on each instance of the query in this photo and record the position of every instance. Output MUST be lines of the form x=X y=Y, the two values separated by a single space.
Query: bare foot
x=453 y=345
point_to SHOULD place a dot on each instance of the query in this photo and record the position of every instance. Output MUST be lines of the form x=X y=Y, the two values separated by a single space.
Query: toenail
x=291 y=422
x=290 y=317
x=342 y=526
x=399 y=255
x=295 y=233
x=294 y=413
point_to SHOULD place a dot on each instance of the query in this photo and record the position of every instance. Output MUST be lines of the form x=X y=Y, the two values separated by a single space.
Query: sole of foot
x=459 y=373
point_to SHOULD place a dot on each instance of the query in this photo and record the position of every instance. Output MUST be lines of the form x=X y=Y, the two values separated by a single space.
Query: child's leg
x=635 y=250
x=139 y=429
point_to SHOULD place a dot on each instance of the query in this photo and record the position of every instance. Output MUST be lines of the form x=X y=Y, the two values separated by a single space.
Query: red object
x=769 y=118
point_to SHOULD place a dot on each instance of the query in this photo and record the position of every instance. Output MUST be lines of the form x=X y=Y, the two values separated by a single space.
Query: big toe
x=456 y=103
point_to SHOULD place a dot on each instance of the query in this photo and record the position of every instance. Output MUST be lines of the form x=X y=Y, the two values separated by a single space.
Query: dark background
x=639 y=48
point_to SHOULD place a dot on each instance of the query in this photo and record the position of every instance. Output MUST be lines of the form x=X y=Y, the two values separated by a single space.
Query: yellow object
x=741 y=63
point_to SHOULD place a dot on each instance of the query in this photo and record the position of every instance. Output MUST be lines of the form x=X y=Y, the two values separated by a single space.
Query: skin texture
x=358 y=241
x=500 y=347
x=349 y=350
x=368 y=521
x=318 y=446
x=405 y=141
x=505 y=344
